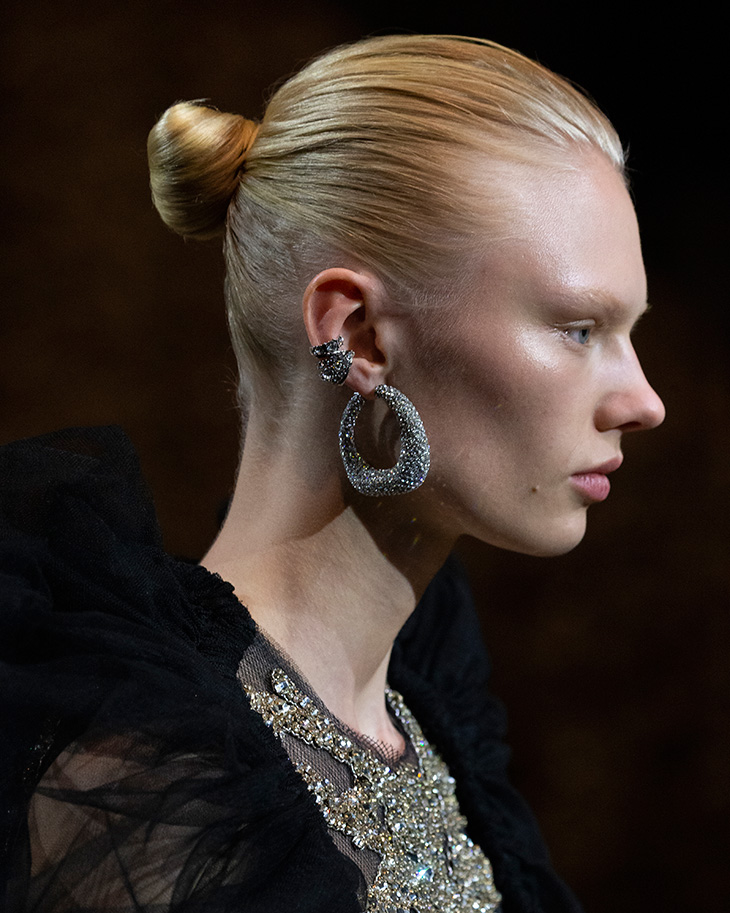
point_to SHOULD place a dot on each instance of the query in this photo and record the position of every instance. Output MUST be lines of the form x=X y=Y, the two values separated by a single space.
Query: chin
x=543 y=541
x=561 y=541
x=553 y=550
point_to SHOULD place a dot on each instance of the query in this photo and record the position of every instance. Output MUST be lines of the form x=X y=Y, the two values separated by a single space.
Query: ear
x=347 y=303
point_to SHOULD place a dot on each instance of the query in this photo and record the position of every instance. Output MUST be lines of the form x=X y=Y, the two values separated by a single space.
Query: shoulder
x=45 y=480
x=122 y=716
x=79 y=534
x=98 y=626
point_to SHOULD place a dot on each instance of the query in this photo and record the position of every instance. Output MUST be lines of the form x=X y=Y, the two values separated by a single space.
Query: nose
x=632 y=404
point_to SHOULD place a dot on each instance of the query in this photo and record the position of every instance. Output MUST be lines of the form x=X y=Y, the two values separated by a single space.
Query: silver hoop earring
x=415 y=457
x=334 y=364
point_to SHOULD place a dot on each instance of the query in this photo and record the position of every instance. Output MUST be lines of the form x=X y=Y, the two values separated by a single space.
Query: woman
x=442 y=228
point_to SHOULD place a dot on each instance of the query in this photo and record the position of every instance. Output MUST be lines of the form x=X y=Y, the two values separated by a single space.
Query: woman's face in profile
x=536 y=376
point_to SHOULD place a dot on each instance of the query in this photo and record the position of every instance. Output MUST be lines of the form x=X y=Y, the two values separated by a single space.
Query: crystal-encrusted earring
x=414 y=459
x=334 y=364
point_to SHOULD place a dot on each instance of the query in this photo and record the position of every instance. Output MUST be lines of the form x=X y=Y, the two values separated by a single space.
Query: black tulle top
x=135 y=776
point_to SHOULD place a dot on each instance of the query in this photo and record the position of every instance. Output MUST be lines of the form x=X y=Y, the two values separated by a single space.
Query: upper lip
x=609 y=466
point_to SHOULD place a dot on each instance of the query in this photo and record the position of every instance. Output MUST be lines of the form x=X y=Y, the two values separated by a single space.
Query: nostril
x=633 y=426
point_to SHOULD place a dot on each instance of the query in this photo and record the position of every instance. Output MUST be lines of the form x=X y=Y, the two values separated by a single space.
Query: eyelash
x=579 y=334
x=577 y=331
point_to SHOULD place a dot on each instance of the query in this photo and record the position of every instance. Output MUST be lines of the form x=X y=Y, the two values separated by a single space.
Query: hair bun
x=195 y=154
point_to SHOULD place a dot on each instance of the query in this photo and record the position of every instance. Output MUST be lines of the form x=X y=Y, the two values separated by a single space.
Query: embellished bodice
x=397 y=818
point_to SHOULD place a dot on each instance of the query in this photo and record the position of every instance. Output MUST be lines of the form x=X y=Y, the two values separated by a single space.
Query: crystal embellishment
x=414 y=461
x=334 y=363
x=408 y=815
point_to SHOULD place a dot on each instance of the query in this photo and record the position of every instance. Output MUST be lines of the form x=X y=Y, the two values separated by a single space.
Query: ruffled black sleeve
x=134 y=776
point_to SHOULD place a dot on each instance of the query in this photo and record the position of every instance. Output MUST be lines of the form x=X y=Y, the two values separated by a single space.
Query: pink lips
x=593 y=485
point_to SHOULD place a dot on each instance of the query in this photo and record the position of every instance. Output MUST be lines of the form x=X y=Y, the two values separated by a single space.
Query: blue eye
x=581 y=335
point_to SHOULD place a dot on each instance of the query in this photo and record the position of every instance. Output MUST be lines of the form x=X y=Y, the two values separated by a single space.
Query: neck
x=323 y=579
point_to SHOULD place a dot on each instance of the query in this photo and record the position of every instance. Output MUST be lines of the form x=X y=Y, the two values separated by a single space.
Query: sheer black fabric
x=135 y=777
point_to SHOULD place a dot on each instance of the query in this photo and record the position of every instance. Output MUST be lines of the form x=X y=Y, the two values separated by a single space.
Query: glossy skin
x=527 y=391
x=524 y=384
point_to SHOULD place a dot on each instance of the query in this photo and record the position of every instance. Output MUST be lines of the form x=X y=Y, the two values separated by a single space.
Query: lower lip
x=592 y=486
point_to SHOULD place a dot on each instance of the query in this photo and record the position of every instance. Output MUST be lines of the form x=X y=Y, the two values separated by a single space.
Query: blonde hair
x=370 y=152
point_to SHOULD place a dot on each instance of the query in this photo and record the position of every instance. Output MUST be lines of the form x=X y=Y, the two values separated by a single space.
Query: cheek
x=507 y=384
x=486 y=415
x=539 y=353
x=537 y=393
x=492 y=396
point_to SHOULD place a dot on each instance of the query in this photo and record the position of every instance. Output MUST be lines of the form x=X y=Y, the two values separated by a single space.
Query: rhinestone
x=409 y=817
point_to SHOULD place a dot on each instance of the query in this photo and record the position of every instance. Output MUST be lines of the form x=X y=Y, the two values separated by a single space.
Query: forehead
x=570 y=231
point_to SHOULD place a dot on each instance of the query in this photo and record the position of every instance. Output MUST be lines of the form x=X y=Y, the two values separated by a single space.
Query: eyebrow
x=577 y=299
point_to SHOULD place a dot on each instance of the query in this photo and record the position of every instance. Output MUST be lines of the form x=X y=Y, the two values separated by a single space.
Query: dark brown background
x=613 y=660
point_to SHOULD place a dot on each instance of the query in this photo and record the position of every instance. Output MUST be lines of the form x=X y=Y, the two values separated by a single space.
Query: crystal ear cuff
x=334 y=364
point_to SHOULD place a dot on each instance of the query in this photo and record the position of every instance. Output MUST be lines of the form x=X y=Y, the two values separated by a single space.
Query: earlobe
x=343 y=302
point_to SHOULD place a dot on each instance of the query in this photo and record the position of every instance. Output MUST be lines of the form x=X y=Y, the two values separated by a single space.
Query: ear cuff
x=334 y=364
